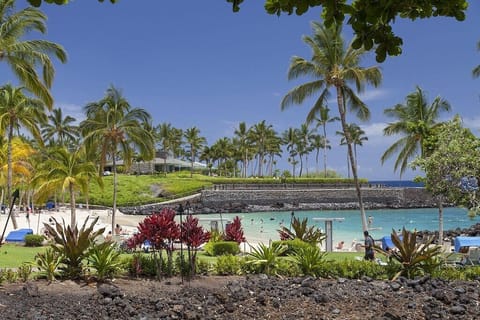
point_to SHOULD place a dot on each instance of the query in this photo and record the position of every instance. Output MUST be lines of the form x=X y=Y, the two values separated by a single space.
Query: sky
x=196 y=63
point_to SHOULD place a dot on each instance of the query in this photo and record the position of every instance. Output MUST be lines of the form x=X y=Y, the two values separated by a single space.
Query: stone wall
x=320 y=198
x=255 y=200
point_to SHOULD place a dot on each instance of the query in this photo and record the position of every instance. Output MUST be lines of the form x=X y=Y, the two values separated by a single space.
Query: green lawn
x=13 y=255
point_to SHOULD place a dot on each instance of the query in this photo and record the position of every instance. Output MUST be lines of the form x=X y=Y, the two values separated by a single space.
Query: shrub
x=48 y=263
x=204 y=267
x=141 y=265
x=34 y=240
x=234 y=231
x=105 y=259
x=300 y=230
x=24 y=271
x=264 y=258
x=310 y=261
x=356 y=269
x=221 y=248
x=292 y=246
x=228 y=265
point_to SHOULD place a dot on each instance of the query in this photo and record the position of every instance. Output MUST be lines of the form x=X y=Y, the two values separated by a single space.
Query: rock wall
x=255 y=200
x=320 y=198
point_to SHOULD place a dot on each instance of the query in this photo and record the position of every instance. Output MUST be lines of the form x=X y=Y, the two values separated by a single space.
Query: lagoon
x=262 y=226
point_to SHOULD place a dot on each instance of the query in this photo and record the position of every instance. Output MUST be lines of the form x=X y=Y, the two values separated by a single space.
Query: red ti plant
x=161 y=230
x=193 y=236
x=234 y=231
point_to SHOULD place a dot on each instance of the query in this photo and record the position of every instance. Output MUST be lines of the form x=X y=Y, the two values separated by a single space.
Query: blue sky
x=196 y=63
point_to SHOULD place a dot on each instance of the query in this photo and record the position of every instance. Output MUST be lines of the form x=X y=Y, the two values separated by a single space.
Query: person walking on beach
x=369 y=242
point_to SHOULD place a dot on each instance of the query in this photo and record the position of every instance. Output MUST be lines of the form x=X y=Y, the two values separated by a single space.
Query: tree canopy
x=370 y=19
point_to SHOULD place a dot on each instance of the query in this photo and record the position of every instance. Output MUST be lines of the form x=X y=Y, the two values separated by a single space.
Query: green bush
x=292 y=246
x=219 y=248
x=141 y=265
x=24 y=271
x=204 y=267
x=229 y=265
x=34 y=240
x=105 y=259
x=48 y=263
x=356 y=269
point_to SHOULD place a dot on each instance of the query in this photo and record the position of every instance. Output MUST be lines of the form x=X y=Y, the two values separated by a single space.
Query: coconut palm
x=195 y=143
x=261 y=133
x=18 y=111
x=69 y=171
x=304 y=134
x=415 y=121
x=322 y=118
x=358 y=137
x=60 y=130
x=290 y=139
x=318 y=142
x=26 y=56
x=333 y=66
x=114 y=126
x=244 y=146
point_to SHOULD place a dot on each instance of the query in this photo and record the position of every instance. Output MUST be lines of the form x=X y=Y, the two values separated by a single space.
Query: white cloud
x=374 y=94
x=472 y=123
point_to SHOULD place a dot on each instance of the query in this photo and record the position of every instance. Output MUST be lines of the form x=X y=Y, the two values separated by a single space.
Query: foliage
x=34 y=240
x=413 y=258
x=310 y=260
x=292 y=245
x=218 y=248
x=72 y=244
x=11 y=276
x=234 y=231
x=370 y=20
x=48 y=262
x=265 y=258
x=105 y=259
x=141 y=265
x=24 y=271
x=356 y=269
x=300 y=230
x=229 y=265
x=193 y=236
x=454 y=154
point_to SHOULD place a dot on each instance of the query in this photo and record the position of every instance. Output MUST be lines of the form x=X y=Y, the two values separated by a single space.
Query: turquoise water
x=262 y=226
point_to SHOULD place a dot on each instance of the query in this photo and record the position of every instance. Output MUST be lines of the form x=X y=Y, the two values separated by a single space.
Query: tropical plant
x=67 y=170
x=357 y=136
x=300 y=230
x=24 y=271
x=243 y=137
x=415 y=122
x=195 y=143
x=333 y=66
x=60 y=130
x=414 y=258
x=25 y=55
x=161 y=230
x=72 y=244
x=322 y=119
x=310 y=260
x=16 y=111
x=193 y=236
x=318 y=142
x=48 y=262
x=234 y=231
x=265 y=258
x=112 y=125
x=105 y=259
x=228 y=265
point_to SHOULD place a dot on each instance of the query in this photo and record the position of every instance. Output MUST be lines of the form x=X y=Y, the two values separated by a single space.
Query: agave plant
x=414 y=258
x=301 y=231
x=265 y=257
x=72 y=244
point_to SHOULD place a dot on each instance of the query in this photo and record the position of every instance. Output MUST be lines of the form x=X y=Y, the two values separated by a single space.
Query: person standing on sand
x=369 y=242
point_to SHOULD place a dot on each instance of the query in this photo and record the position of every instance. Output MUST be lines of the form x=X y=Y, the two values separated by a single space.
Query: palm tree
x=333 y=66
x=358 y=137
x=244 y=146
x=25 y=56
x=260 y=135
x=207 y=156
x=16 y=111
x=476 y=70
x=319 y=142
x=415 y=121
x=69 y=171
x=304 y=135
x=290 y=139
x=322 y=119
x=161 y=135
x=195 y=143
x=61 y=128
x=113 y=125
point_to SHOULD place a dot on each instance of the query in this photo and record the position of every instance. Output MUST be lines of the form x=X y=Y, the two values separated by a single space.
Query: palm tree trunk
x=10 y=175
x=114 y=209
x=193 y=159
x=324 y=151
x=73 y=216
x=440 y=221
x=342 y=111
